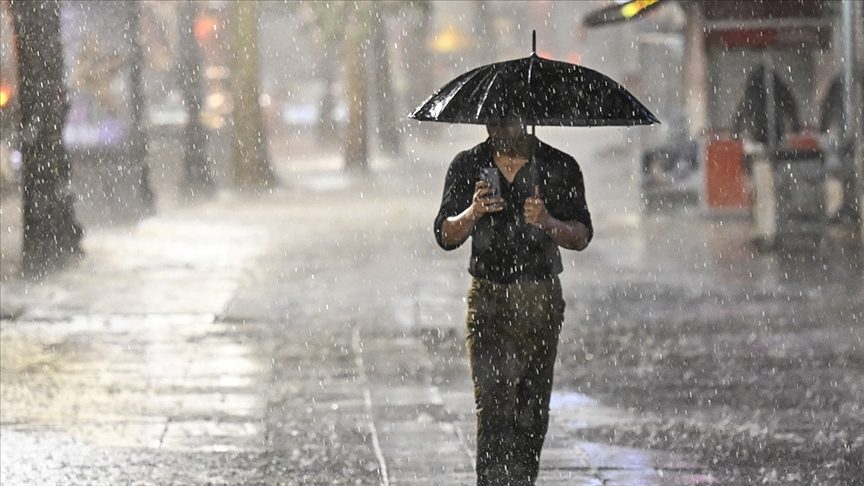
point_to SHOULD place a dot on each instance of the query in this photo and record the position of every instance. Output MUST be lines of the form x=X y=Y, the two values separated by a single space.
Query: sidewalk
x=314 y=336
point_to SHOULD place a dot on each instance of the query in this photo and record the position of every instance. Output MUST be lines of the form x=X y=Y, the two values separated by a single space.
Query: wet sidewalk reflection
x=317 y=335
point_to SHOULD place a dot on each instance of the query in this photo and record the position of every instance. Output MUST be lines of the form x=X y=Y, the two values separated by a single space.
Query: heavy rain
x=219 y=266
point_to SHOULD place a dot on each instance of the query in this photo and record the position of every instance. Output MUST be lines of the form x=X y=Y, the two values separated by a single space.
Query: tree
x=251 y=162
x=418 y=58
x=359 y=28
x=138 y=133
x=356 y=143
x=52 y=235
x=325 y=26
x=386 y=110
x=198 y=174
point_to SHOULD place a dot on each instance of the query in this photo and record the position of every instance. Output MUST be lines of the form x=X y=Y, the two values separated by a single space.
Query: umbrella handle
x=533 y=42
x=532 y=159
x=534 y=232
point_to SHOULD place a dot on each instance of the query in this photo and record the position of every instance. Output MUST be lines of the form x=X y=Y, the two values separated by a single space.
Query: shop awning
x=622 y=11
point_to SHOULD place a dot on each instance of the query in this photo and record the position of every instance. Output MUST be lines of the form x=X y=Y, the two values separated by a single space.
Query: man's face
x=507 y=134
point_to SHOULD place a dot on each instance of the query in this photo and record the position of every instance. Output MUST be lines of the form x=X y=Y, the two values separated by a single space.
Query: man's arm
x=572 y=235
x=456 y=229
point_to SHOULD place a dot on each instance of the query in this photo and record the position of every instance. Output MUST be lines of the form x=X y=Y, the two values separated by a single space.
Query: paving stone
x=685 y=478
x=557 y=458
x=630 y=477
x=395 y=361
x=212 y=436
x=199 y=404
x=220 y=382
x=449 y=478
x=604 y=456
x=554 y=477
x=405 y=446
x=211 y=366
x=121 y=432
x=406 y=395
x=581 y=417
x=459 y=400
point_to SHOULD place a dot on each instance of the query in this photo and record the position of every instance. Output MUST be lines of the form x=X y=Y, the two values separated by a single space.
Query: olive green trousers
x=512 y=341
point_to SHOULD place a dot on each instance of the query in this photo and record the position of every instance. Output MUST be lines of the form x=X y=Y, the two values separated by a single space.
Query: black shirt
x=504 y=247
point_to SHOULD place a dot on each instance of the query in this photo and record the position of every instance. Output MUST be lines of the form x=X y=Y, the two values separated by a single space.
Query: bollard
x=764 y=202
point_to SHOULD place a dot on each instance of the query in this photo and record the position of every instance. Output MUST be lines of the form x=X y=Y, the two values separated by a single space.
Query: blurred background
x=716 y=314
x=334 y=81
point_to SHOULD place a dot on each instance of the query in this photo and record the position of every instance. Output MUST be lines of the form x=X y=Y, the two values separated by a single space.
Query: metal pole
x=696 y=71
x=764 y=166
x=853 y=37
x=858 y=19
x=770 y=109
x=534 y=173
x=848 y=72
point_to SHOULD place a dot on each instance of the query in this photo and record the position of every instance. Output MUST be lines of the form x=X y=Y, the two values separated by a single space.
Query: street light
x=5 y=95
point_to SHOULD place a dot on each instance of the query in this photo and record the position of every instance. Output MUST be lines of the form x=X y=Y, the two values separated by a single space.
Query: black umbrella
x=540 y=92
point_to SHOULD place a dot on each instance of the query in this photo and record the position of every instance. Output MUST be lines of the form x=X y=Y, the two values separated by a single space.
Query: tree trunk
x=389 y=137
x=138 y=132
x=52 y=236
x=356 y=143
x=418 y=64
x=485 y=31
x=326 y=128
x=251 y=162
x=198 y=175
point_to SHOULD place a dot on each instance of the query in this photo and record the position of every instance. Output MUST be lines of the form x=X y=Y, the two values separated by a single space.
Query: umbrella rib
x=482 y=103
x=440 y=107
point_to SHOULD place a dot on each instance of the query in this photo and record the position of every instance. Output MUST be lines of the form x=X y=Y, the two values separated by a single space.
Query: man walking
x=515 y=302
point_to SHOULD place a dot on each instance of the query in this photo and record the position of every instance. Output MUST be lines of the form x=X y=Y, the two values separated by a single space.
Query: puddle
x=570 y=400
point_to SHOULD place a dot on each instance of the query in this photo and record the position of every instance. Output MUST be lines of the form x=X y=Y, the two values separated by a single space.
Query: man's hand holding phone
x=487 y=192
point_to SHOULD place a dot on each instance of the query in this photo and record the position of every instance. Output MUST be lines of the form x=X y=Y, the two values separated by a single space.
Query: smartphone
x=493 y=176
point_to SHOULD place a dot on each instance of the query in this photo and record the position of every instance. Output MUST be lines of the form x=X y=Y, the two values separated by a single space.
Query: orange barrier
x=725 y=175
x=804 y=142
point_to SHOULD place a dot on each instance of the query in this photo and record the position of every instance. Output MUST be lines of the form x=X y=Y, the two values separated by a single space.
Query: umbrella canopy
x=537 y=90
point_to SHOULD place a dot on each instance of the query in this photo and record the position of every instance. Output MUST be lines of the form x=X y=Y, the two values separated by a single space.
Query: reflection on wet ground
x=750 y=360
x=173 y=382
x=122 y=353
x=316 y=336
x=567 y=457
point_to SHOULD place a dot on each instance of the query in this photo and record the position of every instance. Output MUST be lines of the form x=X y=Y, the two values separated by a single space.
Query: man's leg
x=542 y=309
x=494 y=370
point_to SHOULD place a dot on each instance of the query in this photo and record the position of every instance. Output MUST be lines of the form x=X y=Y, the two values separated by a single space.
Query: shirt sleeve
x=566 y=197
x=579 y=209
x=458 y=192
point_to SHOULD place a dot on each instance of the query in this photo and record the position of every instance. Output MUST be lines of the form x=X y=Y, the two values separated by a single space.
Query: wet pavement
x=314 y=336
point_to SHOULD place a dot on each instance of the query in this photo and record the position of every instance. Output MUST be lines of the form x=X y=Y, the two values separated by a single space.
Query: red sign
x=787 y=37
